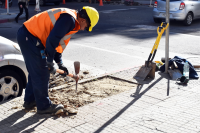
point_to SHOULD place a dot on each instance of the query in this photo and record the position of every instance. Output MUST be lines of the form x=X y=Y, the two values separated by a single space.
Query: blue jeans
x=38 y=78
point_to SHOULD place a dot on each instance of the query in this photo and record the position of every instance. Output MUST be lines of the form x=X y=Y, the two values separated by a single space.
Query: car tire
x=11 y=85
x=157 y=20
x=42 y=2
x=188 y=19
x=56 y=3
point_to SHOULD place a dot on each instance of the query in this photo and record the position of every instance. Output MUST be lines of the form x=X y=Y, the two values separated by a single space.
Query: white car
x=13 y=73
x=183 y=10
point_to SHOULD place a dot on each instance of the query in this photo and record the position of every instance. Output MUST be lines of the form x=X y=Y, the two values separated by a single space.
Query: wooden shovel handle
x=62 y=72
x=196 y=66
x=175 y=64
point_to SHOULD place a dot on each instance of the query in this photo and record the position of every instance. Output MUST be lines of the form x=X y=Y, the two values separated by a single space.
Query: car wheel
x=42 y=3
x=57 y=3
x=11 y=85
x=188 y=20
x=156 y=20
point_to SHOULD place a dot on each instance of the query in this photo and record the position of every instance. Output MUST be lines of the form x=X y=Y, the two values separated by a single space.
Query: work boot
x=52 y=109
x=29 y=105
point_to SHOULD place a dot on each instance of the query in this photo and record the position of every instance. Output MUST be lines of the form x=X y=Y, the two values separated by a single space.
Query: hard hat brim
x=90 y=29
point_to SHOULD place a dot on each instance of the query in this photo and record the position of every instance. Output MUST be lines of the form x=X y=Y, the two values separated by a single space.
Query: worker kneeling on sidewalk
x=42 y=39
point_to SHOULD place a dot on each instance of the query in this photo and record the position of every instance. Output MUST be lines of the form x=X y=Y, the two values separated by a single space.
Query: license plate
x=164 y=15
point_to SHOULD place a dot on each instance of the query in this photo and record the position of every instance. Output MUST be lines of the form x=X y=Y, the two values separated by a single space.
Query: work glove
x=62 y=67
x=51 y=67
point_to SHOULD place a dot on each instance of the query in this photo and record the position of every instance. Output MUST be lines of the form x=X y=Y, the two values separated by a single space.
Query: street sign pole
x=167 y=38
x=8 y=7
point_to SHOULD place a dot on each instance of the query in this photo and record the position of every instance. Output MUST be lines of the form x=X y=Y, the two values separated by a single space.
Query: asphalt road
x=122 y=38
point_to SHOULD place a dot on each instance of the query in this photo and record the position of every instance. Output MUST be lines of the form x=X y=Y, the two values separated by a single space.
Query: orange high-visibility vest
x=41 y=25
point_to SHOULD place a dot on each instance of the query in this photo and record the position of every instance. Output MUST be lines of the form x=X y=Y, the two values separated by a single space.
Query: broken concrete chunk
x=85 y=72
x=72 y=110
x=14 y=107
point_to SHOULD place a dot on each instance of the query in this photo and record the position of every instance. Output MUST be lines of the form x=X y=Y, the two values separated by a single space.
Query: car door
x=198 y=8
x=195 y=7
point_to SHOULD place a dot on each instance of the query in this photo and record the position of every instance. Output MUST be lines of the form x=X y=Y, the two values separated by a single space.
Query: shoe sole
x=39 y=112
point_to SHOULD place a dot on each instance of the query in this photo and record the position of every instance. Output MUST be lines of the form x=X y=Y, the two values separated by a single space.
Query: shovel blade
x=142 y=73
x=174 y=74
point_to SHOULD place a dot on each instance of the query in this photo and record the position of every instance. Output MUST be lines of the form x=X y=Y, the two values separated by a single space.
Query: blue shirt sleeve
x=63 y=25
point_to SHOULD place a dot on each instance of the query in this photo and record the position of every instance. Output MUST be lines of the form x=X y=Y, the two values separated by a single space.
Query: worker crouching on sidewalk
x=49 y=32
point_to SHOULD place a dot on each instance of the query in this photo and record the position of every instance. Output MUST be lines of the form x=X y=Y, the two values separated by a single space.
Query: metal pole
x=167 y=38
x=150 y=3
x=7 y=6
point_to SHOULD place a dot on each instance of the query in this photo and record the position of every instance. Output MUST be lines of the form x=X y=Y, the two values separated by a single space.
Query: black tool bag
x=180 y=63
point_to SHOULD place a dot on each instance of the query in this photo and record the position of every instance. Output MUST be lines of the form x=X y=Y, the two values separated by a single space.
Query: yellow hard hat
x=93 y=15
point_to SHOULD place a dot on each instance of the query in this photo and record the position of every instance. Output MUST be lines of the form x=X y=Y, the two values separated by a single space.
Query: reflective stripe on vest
x=62 y=43
x=53 y=20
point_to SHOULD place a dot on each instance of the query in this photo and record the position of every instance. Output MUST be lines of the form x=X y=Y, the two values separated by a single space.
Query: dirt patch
x=89 y=92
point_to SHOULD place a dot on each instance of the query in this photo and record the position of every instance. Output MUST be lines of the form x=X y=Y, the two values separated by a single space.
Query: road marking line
x=110 y=11
x=146 y=27
x=149 y=27
x=109 y=51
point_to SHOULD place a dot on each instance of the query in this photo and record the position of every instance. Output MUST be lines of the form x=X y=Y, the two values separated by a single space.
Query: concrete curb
x=6 y=20
x=111 y=74
x=10 y=16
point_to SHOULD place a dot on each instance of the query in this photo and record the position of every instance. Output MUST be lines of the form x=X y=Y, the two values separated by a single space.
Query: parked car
x=43 y=2
x=2 y=3
x=13 y=73
x=183 y=10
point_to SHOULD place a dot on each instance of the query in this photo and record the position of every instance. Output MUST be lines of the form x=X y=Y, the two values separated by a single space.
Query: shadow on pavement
x=137 y=97
x=166 y=76
x=13 y=121
x=137 y=92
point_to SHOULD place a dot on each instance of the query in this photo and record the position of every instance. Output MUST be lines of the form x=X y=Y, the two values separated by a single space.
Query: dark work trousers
x=21 y=10
x=38 y=78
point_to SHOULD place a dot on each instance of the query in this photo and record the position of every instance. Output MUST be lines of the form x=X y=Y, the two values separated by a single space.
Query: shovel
x=148 y=70
x=77 y=69
x=174 y=72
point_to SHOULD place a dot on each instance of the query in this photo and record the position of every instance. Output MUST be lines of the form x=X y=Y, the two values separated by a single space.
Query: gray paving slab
x=150 y=109
x=147 y=112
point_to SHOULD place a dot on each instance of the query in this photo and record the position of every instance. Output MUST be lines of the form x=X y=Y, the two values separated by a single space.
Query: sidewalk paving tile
x=154 y=108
